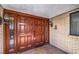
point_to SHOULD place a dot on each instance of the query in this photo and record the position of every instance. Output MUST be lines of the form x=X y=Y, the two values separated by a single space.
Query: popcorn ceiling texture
x=60 y=37
x=44 y=10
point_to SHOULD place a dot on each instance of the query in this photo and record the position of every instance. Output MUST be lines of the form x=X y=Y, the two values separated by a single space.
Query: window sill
x=74 y=36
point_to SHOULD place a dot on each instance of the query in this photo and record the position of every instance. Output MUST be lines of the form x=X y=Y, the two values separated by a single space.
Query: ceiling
x=44 y=10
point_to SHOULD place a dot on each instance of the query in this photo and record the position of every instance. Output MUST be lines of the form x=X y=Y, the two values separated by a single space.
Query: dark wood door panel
x=21 y=42
x=38 y=29
x=28 y=32
x=25 y=29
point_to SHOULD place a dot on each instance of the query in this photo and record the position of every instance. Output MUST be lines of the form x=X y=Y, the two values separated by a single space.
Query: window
x=74 y=23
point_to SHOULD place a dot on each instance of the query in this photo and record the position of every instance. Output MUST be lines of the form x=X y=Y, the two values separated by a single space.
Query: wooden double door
x=28 y=32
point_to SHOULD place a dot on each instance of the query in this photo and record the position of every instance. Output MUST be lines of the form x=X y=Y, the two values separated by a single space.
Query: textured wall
x=60 y=37
x=1 y=32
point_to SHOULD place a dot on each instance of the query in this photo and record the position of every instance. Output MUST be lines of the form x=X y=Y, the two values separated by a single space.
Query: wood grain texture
x=29 y=31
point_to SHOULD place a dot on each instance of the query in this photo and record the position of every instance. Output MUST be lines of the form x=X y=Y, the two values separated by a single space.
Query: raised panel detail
x=29 y=31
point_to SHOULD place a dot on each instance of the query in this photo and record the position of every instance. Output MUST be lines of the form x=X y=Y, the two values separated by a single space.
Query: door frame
x=4 y=32
x=5 y=42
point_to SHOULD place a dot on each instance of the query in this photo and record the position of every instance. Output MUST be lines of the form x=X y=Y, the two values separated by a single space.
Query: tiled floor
x=45 y=49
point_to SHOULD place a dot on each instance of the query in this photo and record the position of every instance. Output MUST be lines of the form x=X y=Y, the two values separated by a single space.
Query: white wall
x=1 y=32
x=60 y=37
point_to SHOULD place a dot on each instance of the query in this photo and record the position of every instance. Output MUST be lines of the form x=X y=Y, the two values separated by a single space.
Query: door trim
x=4 y=31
